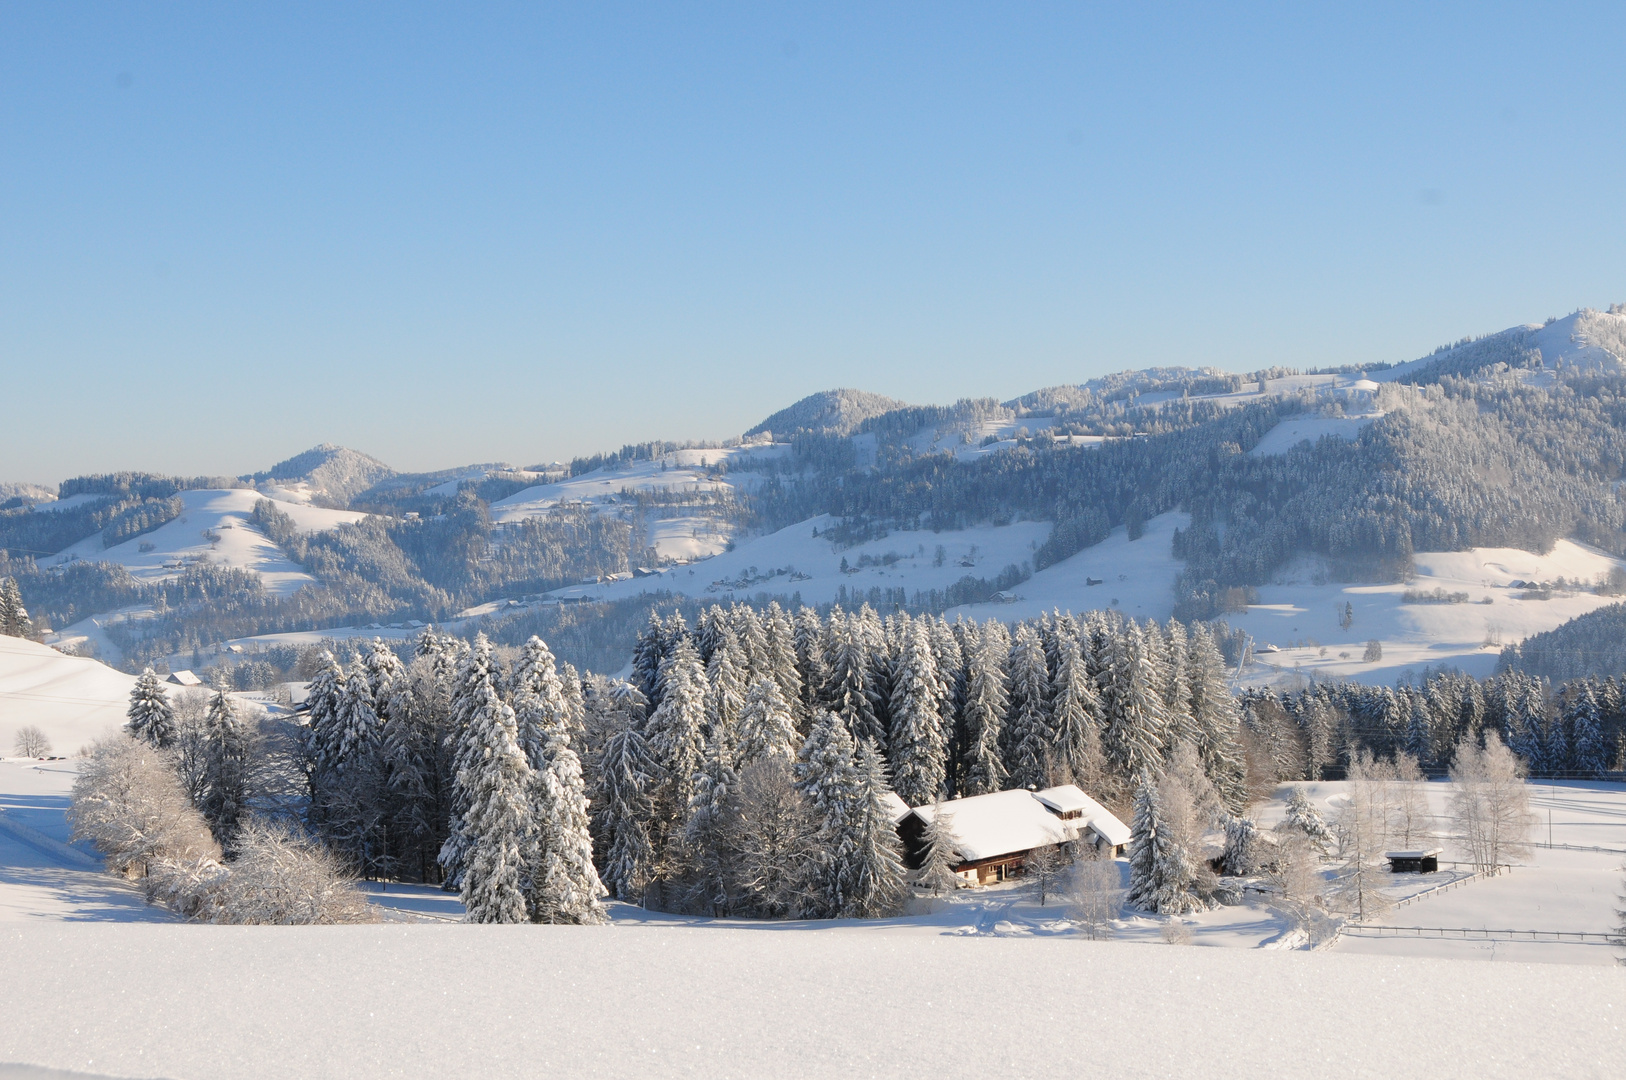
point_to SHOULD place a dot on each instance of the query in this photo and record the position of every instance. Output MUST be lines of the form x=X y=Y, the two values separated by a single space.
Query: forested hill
x=1514 y=440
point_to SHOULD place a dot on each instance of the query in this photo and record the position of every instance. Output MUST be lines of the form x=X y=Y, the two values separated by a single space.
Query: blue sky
x=455 y=233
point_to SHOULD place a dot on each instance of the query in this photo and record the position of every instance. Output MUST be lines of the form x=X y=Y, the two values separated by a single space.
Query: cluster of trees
x=131 y=801
x=450 y=768
x=1588 y=645
x=1575 y=729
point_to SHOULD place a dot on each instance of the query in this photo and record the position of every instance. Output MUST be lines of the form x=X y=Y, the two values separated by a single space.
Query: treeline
x=1587 y=645
x=1577 y=728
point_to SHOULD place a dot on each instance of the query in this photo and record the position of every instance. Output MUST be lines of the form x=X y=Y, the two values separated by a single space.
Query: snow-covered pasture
x=794 y=560
x=73 y=700
x=223 y=514
x=681 y=537
x=659 y=1000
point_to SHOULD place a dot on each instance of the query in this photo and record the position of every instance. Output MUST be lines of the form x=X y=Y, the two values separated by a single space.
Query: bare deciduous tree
x=128 y=803
x=1096 y=894
x=1361 y=827
x=1490 y=808
x=31 y=742
x=1043 y=865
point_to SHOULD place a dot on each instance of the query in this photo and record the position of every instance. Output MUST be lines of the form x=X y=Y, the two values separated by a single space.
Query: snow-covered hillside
x=800 y=559
x=75 y=701
x=675 y=533
x=213 y=525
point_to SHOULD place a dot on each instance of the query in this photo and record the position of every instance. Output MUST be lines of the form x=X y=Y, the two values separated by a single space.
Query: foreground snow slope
x=73 y=700
x=226 y=1002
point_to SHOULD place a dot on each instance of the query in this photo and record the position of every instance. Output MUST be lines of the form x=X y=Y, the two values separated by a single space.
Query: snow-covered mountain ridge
x=1499 y=442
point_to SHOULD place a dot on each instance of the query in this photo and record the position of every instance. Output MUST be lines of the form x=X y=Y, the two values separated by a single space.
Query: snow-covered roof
x=184 y=678
x=1103 y=822
x=897 y=806
x=1065 y=798
x=1412 y=854
x=1001 y=823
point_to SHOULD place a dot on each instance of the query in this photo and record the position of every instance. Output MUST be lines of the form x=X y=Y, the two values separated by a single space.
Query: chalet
x=994 y=834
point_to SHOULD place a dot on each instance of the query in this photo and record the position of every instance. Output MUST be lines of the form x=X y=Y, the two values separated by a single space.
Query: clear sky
x=446 y=233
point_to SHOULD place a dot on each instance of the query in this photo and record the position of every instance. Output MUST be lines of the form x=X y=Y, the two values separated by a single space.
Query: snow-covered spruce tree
x=810 y=661
x=413 y=737
x=14 y=620
x=322 y=718
x=1076 y=711
x=937 y=853
x=1216 y=719
x=150 y=717
x=1303 y=816
x=919 y=744
x=708 y=833
x=1132 y=707
x=780 y=639
x=846 y=692
x=225 y=788
x=538 y=697
x=1030 y=738
x=827 y=776
x=475 y=688
x=766 y=728
x=676 y=738
x=1174 y=647
x=647 y=655
x=1244 y=850
x=1586 y=728
x=494 y=782
x=627 y=775
x=987 y=699
x=726 y=675
x=564 y=886
x=1419 y=733
x=1165 y=870
x=880 y=883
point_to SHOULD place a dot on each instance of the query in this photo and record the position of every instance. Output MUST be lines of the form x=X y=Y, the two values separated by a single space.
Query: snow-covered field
x=96 y=983
x=794 y=560
x=676 y=536
x=223 y=515
x=75 y=701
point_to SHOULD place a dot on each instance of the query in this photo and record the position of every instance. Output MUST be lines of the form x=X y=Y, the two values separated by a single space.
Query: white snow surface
x=1300 y=429
x=717 y=1002
x=1136 y=577
x=1298 y=613
x=794 y=560
x=675 y=534
x=75 y=701
x=226 y=513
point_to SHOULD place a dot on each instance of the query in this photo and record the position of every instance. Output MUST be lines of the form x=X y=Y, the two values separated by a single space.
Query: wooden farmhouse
x=994 y=834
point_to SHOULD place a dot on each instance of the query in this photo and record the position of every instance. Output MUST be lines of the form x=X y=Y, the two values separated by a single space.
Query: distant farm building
x=1426 y=861
x=995 y=834
x=184 y=678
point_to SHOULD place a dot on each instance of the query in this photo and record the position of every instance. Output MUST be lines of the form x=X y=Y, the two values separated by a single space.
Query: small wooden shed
x=1414 y=862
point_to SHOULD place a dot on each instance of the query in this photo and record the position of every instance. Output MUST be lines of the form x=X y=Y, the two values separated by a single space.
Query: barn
x=994 y=834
